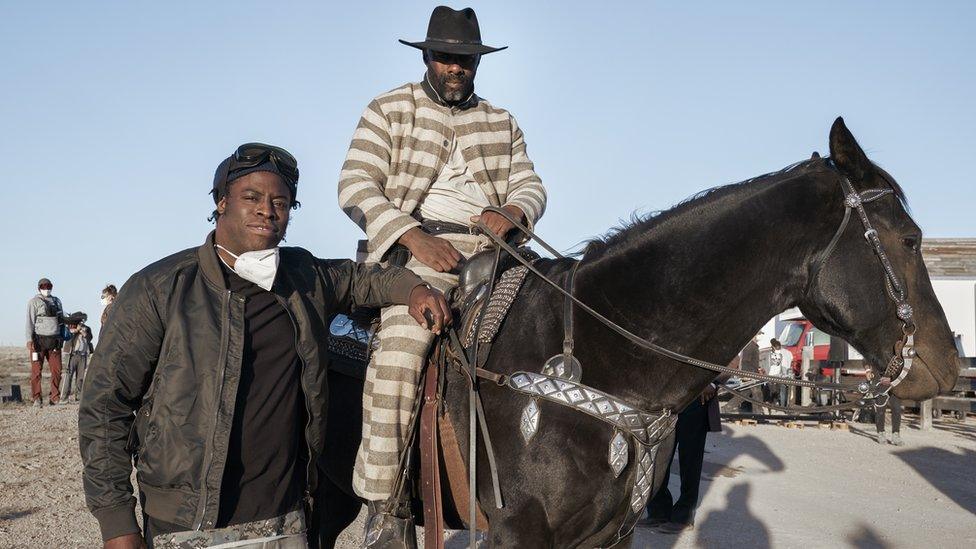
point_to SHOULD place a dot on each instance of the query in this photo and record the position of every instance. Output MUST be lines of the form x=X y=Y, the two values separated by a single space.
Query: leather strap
x=568 y=343
x=639 y=341
x=430 y=478
x=457 y=472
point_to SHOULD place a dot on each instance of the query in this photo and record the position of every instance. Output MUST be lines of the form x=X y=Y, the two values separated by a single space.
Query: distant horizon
x=119 y=113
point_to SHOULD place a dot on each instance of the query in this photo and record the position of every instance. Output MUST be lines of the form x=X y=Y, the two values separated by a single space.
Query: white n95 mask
x=259 y=266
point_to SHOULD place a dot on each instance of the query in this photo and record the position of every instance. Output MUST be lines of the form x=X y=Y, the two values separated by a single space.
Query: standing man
x=78 y=348
x=212 y=373
x=45 y=316
x=108 y=296
x=699 y=418
x=781 y=365
x=425 y=161
x=750 y=363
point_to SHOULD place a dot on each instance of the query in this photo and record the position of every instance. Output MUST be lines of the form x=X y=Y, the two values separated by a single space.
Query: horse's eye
x=911 y=242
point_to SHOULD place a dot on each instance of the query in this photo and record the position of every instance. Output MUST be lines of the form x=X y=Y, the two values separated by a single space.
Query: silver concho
x=852 y=200
x=529 y=423
x=905 y=311
x=557 y=367
x=619 y=450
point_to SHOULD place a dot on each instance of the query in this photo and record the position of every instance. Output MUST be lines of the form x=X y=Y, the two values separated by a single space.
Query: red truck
x=797 y=334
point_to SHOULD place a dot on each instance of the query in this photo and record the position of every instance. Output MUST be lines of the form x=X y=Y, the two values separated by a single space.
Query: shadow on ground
x=866 y=538
x=736 y=512
x=948 y=472
x=9 y=514
x=735 y=521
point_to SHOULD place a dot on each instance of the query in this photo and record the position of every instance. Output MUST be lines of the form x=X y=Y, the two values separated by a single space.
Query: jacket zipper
x=222 y=359
x=308 y=409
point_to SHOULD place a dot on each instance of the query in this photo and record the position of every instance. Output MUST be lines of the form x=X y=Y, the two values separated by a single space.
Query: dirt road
x=764 y=486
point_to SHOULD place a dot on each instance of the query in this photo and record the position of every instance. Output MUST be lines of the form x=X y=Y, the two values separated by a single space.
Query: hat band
x=453 y=41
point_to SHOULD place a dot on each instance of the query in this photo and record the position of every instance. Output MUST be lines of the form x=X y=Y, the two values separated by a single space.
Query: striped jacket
x=404 y=139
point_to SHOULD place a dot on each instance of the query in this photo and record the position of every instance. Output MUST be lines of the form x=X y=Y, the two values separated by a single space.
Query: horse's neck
x=703 y=281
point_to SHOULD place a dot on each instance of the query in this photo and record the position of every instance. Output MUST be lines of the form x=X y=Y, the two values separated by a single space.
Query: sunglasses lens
x=252 y=152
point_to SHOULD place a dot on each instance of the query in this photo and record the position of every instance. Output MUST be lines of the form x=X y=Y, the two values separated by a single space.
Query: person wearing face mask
x=211 y=370
x=425 y=161
x=108 y=296
x=45 y=318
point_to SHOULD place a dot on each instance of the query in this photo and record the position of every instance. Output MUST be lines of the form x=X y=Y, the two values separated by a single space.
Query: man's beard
x=453 y=95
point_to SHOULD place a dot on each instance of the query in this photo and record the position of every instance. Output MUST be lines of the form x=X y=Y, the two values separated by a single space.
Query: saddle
x=352 y=338
x=488 y=285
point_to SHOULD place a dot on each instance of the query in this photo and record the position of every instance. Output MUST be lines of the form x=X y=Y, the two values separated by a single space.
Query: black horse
x=700 y=279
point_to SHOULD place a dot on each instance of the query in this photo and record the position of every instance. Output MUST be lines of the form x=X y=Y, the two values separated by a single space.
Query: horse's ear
x=847 y=154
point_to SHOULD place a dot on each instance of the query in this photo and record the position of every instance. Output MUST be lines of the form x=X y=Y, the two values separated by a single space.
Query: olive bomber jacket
x=163 y=383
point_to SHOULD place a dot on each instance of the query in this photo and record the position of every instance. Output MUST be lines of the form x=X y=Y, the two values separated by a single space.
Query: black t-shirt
x=266 y=458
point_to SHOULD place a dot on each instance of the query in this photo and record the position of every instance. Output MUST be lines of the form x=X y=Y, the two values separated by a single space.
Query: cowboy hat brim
x=457 y=48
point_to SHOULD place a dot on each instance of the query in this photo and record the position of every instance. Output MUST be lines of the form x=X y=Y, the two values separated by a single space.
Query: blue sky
x=115 y=114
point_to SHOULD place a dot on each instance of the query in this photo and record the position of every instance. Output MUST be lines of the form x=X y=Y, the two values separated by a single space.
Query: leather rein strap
x=630 y=336
x=853 y=200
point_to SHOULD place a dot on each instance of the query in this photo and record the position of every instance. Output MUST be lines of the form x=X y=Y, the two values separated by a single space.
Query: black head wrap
x=224 y=176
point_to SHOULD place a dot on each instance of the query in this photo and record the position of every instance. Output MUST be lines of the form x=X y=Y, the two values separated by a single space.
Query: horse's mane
x=643 y=223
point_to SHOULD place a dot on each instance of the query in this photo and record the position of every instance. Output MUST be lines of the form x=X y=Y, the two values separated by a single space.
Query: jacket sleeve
x=363 y=180
x=31 y=318
x=525 y=188
x=367 y=285
x=115 y=383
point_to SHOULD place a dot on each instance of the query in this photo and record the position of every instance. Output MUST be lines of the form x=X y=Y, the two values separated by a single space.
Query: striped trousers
x=392 y=379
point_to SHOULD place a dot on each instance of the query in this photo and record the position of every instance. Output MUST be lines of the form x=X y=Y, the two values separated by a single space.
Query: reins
x=868 y=391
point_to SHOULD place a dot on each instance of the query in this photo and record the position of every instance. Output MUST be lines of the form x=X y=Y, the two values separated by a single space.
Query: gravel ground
x=763 y=486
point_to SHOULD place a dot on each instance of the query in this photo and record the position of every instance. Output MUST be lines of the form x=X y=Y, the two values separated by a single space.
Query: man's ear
x=222 y=205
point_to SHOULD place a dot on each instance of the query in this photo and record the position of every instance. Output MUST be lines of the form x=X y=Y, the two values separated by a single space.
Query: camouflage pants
x=284 y=532
x=392 y=378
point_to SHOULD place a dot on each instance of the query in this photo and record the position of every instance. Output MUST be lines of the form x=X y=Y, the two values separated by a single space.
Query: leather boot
x=386 y=530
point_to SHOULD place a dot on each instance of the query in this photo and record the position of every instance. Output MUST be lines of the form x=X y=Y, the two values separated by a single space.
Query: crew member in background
x=750 y=363
x=670 y=516
x=108 y=296
x=77 y=349
x=893 y=403
x=425 y=161
x=45 y=317
x=781 y=365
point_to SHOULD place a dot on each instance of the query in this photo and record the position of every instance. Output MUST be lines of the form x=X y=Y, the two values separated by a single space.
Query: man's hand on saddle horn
x=497 y=222
x=436 y=253
x=429 y=308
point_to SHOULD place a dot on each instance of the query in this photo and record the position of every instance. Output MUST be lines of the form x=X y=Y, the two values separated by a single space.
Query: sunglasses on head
x=45 y=287
x=249 y=155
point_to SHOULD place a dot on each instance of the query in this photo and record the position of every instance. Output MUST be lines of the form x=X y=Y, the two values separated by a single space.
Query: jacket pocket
x=138 y=430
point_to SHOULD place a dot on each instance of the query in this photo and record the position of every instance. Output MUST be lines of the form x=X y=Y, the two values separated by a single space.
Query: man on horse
x=425 y=160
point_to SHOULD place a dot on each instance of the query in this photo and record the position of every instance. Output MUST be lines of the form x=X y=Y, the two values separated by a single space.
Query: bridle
x=901 y=361
x=876 y=390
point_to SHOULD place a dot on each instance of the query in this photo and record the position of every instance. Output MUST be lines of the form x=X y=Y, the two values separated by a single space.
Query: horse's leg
x=333 y=512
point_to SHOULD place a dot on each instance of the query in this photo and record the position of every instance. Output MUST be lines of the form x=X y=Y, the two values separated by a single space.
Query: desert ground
x=763 y=485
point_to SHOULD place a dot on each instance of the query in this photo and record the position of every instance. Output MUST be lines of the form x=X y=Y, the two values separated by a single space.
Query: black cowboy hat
x=451 y=31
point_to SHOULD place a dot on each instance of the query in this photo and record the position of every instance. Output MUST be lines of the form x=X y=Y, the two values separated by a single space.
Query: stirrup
x=386 y=530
